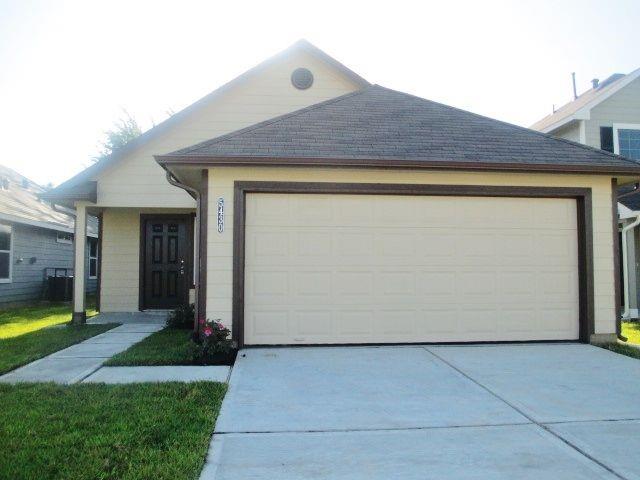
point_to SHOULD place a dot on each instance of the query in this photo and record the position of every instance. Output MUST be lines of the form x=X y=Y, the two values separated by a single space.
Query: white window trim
x=10 y=279
x=89 y=240
x=621 y=126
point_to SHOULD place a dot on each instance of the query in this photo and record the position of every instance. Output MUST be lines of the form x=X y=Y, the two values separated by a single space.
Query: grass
x=86 y=431
x=623 y=349
x=18 y=351
x=631 y=330
x=18 y=321
x=170 y=346
x=25 y=336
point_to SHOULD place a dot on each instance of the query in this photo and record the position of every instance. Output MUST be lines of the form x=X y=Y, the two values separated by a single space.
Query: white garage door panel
x=376 y=269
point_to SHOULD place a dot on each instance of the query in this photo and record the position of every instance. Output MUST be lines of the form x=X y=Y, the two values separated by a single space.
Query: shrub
x=182 y=317
x=212 y=344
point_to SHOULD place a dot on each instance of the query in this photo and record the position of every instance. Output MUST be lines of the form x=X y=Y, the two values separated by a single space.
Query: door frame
x=584 y=228
x=188 y=280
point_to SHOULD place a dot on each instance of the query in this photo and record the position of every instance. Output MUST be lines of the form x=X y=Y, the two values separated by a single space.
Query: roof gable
x=186 y=115
x=579 y=108
x=377 y=126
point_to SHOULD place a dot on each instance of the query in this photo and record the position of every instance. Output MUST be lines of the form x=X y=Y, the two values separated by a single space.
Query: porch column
x=79 y=254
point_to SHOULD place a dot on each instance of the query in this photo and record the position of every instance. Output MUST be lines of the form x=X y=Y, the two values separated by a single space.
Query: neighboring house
x=332 y=211
x=607 y=117
x=36 y=241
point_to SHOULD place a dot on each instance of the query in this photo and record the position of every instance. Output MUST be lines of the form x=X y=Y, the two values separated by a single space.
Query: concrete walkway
x=473 y=412
x=83 y=362
x=75 y=363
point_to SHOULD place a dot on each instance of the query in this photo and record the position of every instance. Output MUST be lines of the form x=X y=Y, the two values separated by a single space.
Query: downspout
x=196 y=239
x=625 y=265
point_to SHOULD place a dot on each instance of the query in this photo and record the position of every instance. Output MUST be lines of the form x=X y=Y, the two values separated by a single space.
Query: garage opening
x=343 y=268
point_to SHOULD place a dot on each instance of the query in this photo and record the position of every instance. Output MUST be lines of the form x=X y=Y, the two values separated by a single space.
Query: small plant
x=182 y=317
x=212 y=344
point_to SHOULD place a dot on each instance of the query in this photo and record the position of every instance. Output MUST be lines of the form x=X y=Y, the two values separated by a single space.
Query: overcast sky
x=67 y=69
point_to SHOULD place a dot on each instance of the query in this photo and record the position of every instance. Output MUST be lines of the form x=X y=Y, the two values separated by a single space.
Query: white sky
x=67 y=69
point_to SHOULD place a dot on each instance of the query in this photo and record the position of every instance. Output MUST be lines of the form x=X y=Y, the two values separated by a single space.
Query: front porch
x=145 y=259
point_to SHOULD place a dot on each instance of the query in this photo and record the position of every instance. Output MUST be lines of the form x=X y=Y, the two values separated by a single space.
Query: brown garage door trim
x=584 y=223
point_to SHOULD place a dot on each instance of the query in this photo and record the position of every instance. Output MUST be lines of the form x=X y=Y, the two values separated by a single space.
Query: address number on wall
x=220 y=215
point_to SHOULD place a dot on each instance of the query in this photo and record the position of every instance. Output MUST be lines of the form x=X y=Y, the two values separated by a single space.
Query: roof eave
x=86 y=192
x=584 y=113
x=41 y=224
x=171 y=161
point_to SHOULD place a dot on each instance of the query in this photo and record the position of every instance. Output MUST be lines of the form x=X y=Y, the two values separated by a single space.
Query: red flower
x=207 y=331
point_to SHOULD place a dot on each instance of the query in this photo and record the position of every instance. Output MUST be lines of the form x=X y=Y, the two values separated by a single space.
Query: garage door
x=394 y=269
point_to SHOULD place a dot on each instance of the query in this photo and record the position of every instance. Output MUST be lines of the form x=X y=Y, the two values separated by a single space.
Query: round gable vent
x=302 y=78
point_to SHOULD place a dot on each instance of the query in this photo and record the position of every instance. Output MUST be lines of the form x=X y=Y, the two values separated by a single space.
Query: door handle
x=181 y=267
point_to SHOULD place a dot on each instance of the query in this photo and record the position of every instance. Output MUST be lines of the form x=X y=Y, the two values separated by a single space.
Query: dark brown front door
x=165 y=257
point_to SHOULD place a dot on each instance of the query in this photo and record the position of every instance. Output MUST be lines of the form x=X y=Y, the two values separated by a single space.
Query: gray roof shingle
x=379 y=124
x=21 y=203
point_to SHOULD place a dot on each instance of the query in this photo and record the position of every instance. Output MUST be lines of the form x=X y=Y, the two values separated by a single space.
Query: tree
x=123 y=131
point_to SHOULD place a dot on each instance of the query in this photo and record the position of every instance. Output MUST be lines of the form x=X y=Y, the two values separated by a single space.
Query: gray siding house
x=36 y=241
x=607 y=116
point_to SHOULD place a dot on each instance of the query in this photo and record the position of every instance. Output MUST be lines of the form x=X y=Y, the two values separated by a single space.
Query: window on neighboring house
x=64 y=237
x=626 y=140
x=5 y=253
x=93 y=258
x=606 y=139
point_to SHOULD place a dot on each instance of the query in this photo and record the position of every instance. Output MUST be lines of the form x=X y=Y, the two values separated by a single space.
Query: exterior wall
x=220 y=247
x=622 y=107
x=634 y=270
x=571 y=132
x=632 y=246
x=28 y=278
x=120 y=278
x=138 y=181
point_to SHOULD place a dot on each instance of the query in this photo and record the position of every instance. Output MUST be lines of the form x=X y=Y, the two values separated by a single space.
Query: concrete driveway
x=509 y=411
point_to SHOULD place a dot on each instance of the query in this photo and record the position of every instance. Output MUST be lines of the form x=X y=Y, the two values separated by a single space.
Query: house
x=318 y=208
x=607 y=116
x=36 y=241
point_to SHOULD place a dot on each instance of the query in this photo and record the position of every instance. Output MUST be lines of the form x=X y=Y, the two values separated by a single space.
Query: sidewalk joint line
x=382 y=429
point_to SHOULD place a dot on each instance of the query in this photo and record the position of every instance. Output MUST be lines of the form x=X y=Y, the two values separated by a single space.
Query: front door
x=165 y=257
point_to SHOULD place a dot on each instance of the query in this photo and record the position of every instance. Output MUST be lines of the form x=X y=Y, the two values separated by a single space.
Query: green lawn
x=136 y=431
x=631 y=330
x=18 y=351
x=30 y=333
x=170 y=346
x=18 y=321
x=623 y=349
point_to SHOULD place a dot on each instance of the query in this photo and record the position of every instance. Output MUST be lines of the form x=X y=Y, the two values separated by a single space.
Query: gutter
x=625 y=266
x=196 y=239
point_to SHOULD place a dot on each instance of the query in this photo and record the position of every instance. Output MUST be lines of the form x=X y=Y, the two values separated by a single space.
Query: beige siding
x=219 y=261
x=571 y=132
x=622 y=107
x=119 y=283
x=137 y=181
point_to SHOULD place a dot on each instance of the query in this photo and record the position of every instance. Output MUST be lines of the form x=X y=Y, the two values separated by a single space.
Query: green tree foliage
x=123 y=131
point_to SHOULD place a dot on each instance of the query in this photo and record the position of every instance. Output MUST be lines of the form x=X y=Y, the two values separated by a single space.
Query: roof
x=67 y=188
x=377 y=126
x=579 y=108
x=21 y=204
x=631 y=201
